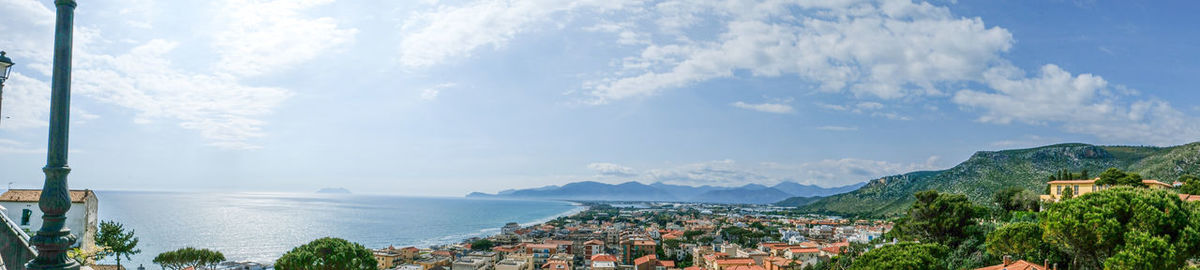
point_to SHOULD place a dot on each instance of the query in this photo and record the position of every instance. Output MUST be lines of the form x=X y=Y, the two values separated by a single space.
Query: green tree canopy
x=1016 y=199
x=482 y=244
x=904 y=255
x=1068 y=193
x=1191 y=184
x=940 y=218
x=1110 y=177
x=1023 y=240
x=1119 y=228
x=188 y=257
x=113 y=238
x=327 y=254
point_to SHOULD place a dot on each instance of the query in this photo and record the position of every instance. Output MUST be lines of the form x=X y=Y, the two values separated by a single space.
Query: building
x=633 y=249
x=472 y=263
x=385 y=259
x=1080 y=187
x=22 y=208
x=513 y=264
x=510 y=228
x=603 y=262
x=592 y=247
x=651 y=262
x=1009 y=264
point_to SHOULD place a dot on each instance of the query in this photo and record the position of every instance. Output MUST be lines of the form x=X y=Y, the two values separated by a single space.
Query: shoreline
x=489 y=232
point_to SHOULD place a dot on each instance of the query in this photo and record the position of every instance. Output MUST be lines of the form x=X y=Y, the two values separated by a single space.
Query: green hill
x=987 y=172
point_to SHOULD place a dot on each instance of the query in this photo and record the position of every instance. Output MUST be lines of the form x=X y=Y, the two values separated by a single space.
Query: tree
x=938 y=217
x=113 y=238
x=904 y=255
x=1131 y=179
x=482 y=244
x=189 y=257
x=1191 y=184
x=1068 y=193
x=1016 y=199
x=327 y=254
x=1110 y=177
x=1023 y=240
x=1119 y=227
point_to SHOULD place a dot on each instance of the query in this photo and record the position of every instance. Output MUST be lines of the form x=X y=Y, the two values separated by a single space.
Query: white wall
x=76 y=217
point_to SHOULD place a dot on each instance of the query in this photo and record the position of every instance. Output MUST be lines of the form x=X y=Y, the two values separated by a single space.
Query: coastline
x=488 y=232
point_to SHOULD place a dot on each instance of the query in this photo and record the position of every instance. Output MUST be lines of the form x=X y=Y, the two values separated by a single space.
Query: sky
x=442 y=98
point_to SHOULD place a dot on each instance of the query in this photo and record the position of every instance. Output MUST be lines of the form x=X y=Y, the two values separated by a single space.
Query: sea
x=260 y=227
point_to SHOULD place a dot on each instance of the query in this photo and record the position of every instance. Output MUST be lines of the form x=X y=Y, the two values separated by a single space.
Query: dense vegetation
x=189 y=258
x=987 y=173
x=1124 y=227
x=327 y=254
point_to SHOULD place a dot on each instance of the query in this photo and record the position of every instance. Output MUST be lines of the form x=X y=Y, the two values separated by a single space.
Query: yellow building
x=1080 y=187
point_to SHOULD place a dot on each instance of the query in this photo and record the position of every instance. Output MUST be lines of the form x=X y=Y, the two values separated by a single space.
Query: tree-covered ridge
x=988 y=172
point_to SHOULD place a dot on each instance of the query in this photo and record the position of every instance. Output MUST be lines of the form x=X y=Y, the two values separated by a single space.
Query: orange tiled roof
x=1189 y=197
x=604 y=258
x=667 y=264
x=745 y=267
x=32 y=195
x=594 y=242
x=736 y=261
x=805 y=250
x=1017 y=265
x=645 y=259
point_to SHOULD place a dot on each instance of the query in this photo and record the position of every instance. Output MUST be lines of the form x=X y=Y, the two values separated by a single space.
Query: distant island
x=334 y=191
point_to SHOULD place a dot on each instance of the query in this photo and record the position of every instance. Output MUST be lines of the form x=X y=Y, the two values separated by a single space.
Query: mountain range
x=987 y=172
x=636 y=191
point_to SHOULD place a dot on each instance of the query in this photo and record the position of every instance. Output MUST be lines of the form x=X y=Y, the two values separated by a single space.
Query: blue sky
x=447 y=97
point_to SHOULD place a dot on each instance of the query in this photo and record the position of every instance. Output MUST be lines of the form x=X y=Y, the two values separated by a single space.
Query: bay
x=260 y=227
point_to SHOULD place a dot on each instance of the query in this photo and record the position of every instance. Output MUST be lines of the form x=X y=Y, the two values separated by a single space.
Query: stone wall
x=14 y=245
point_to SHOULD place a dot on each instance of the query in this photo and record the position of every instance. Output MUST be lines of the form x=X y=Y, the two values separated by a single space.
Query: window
x=25 y=214
x=1060 y=190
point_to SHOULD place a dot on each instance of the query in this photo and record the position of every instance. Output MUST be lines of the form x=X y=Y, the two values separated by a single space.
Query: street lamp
x=5 y=67
x=54 y=238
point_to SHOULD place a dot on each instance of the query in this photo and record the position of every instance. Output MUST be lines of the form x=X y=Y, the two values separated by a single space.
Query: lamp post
x=54 y=238
x=5 y=67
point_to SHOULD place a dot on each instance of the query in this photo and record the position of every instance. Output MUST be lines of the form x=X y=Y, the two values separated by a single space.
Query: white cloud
x=15 y=147
x=455 y=31
x=837 y=128
x=431 y=93
x=1082 y=103
x=765 y=107
x=889 y=50
x=216 y=105
x=261 y=37
x=252 y=38
x=613 y=170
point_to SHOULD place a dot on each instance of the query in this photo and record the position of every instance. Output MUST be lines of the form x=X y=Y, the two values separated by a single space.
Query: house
x=557 y=265
x=513 y=264
x=803 y=254
x=386 y=259
x=1080 y=187
x=510 y=228
x=1009 y=264
x=722 y=264
x=541 y=252
x=1189 y=197
x=472 y=263
x=22 y=208
x=651 y=262
x=603 y=262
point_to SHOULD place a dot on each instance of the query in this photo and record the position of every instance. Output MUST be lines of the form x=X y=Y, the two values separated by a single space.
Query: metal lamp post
x=5 y=67
x=54 y=238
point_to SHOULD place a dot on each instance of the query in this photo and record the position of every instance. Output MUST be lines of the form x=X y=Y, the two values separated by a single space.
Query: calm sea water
x=262 y=226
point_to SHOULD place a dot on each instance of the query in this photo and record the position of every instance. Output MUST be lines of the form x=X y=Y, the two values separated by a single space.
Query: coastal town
x=651 y=236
